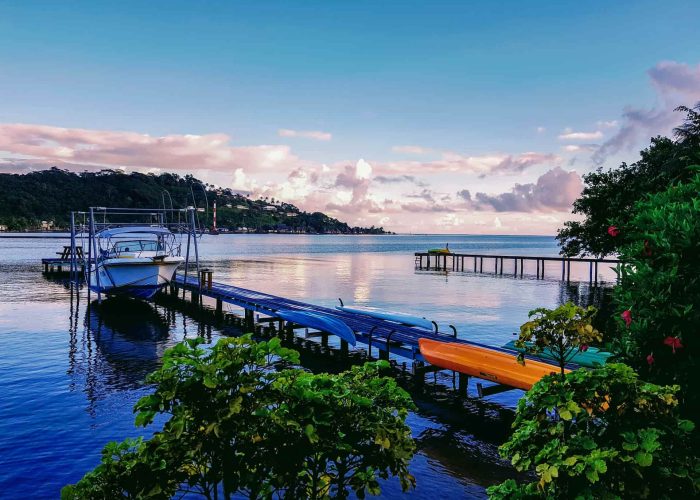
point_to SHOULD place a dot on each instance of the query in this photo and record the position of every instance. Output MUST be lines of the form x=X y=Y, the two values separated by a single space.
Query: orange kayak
x=481 y=362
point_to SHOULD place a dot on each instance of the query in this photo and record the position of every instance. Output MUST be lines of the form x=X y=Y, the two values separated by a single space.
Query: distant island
x=43 y=200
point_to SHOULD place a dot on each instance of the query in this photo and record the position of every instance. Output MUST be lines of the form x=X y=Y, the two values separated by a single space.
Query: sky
x=421 y=117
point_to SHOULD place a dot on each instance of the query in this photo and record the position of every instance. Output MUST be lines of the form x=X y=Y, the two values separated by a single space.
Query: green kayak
x=591 y=358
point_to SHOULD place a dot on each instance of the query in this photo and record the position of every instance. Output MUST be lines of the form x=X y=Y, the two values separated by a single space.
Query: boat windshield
x=138 y=246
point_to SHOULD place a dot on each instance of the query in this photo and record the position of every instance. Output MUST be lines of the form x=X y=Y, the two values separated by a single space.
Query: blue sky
x=458 y=78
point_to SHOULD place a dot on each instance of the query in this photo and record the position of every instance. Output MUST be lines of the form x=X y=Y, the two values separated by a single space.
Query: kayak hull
x=484 y=363
x=396 y=317
x=591 y=358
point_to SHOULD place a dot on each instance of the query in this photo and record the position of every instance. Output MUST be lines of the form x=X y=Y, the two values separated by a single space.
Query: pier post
x=248 y=322
x=344 y=347
x=563 y=269
x=219 y=308
x=590 y=272
x=481 y=265
x=501 y=265
x=324 y=339
x=384 y=354
x=495 y=265
x=515 y=271
x=542 y=270
x=538 y=268
x=462 y=383
x=522 y=266
x=568 y=270
x=596 y=272
x=474 y=264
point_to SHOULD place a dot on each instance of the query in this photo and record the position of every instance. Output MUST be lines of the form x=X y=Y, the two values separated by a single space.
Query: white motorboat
x=133 y=260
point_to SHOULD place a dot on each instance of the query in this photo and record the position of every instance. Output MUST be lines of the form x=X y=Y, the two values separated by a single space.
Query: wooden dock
x=463 y=262
x=385 y=337
x=62 y=264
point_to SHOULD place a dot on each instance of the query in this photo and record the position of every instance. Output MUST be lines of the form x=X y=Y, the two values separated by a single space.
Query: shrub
x=658 y=301
x=563 y=332
x=600 y=433
x=243 y=422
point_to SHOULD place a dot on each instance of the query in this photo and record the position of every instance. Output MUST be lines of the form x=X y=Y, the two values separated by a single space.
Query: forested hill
x=49 y=195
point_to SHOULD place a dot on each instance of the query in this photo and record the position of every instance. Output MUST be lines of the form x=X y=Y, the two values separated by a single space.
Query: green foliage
x=563 y=332
x=26 y=200
x=601 y=433
x=609 y=196
x=242 y=421
x=660 y=290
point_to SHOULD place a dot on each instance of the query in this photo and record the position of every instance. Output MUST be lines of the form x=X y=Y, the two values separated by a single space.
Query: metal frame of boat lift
x=92 y=228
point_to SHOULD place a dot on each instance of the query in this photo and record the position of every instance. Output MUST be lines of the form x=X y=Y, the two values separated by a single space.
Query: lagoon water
x=70 y=374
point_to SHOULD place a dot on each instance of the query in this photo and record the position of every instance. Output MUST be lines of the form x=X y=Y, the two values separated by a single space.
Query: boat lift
x=86 y=226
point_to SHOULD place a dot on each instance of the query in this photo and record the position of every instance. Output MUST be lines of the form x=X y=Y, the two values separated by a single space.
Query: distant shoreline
x=59 y=235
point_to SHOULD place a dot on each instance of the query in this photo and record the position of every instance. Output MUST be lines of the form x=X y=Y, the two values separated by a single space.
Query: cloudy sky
x=450 y=117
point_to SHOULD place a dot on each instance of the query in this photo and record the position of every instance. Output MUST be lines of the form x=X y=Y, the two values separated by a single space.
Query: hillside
x=49 y=195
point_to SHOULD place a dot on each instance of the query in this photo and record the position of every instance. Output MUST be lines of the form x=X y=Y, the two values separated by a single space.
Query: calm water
x=70 y=374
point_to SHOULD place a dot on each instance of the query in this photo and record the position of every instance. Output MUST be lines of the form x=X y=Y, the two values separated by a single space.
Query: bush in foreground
x=243 y=422
x=601 y=433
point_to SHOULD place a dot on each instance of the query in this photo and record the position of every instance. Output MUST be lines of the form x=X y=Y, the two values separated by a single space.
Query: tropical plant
x=611 y=194
x=601 y=433
x=562 y=332
x=658 y=300
x=242 y=421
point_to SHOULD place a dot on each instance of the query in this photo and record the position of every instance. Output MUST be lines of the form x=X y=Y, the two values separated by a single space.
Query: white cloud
x=412 y=150
x=570 y=135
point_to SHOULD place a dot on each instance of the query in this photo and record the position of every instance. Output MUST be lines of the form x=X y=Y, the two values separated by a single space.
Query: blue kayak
x=319 y=321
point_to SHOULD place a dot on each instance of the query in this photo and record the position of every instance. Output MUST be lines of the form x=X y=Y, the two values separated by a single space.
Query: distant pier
x=512 y=265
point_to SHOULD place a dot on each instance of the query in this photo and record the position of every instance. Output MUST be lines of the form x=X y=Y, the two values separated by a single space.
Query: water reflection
x=117 y=344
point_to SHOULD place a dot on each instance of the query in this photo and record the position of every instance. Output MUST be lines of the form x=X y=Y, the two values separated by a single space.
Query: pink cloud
x=494 y=164
x=316 y=135
x=554 y=191
x=115 y=149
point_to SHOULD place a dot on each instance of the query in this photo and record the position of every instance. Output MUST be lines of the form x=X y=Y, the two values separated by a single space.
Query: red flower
x=613 y=231
x=650 y=359
x=647 y=249
x=674 y=343
x=627 y=316
x=583 y=348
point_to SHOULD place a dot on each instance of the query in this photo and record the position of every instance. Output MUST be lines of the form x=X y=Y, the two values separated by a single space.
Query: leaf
x=643 y=459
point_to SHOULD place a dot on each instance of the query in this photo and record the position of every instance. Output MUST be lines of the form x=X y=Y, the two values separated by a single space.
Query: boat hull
x=484 y=363
x=140 y=278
